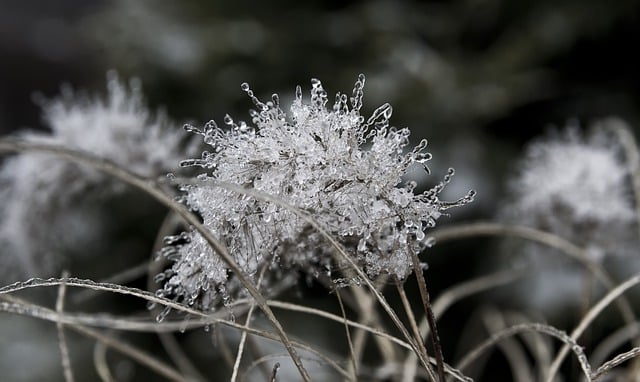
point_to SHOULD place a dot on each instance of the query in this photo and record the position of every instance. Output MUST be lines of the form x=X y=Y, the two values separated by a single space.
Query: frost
x=327 y=160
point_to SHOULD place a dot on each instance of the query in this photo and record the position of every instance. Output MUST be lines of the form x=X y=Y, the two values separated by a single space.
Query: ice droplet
x=362 y=245
x=430 y=242
x=163 y=314
x=385 y=111
x=298 y=93
x=358 y=93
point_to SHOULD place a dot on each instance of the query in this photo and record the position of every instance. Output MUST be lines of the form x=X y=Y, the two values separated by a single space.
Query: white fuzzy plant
x=51 y=205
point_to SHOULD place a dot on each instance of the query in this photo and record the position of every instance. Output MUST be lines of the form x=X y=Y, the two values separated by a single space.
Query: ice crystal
x=331 y=162
x=47 y=208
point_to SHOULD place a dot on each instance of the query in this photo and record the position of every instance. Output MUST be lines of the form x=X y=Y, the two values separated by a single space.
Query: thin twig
x=424 y=293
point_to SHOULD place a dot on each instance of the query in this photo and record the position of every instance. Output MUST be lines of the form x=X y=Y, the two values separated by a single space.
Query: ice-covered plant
x=49 y=205
x=329 y=162
x=577 y=187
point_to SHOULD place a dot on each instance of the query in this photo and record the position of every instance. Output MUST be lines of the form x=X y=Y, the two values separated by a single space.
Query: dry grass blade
x=426 y=304
x=472 y=287
x=179 y=358
x=62 y=341
x=614 y=341
x=347 y=332
x=452 y=295
x=414 y=326
x=100 y=362
x=540 y=346
x=511 y=349
x=529 y=327
x=542 y=237
x=588 y=319
x=18 y=306
x=363 y=303
x=617 y=360
x=123 y=277
x=114 y=288
x=100 y=320
x=243 y=336
x=333 y=317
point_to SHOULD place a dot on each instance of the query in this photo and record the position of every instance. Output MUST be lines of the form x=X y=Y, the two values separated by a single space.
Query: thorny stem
x=153 y=190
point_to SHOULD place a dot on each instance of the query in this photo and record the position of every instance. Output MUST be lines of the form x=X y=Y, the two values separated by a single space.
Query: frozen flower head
x=583 y=178
x=343 y=169
x=49 y=205
x=119 y=127
x=577 y=187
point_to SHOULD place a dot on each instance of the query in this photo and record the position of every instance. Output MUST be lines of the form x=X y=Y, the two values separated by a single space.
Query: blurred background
x=477 y=78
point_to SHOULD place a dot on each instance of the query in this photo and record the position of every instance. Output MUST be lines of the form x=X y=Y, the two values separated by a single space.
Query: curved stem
x=546 y=238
